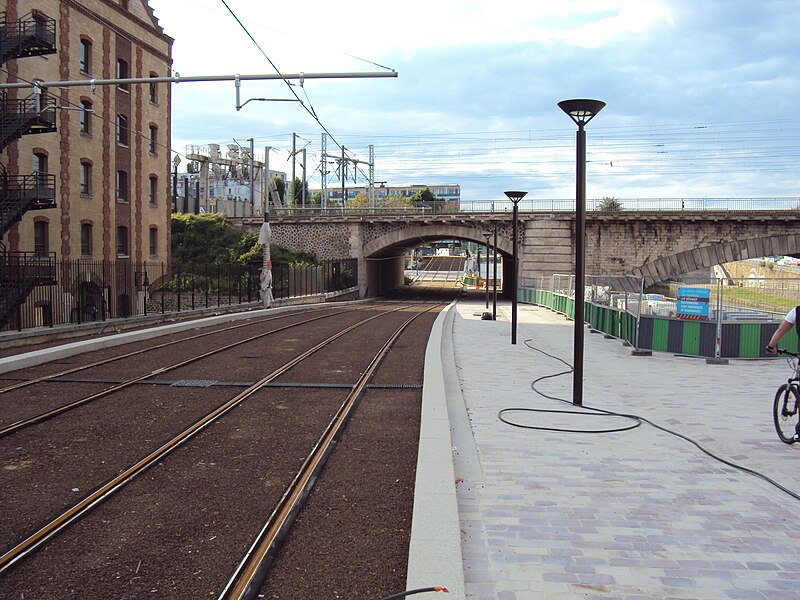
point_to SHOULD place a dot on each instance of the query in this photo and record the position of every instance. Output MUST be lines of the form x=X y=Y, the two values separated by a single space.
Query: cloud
x=700 y=94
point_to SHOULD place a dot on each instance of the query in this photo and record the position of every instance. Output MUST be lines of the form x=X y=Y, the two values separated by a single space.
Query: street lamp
x=494 y=275
x=487 y=235
x=515 y=197
x=581 y=111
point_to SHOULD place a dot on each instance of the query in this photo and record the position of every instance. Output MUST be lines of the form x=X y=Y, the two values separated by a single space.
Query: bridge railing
x=532 y=205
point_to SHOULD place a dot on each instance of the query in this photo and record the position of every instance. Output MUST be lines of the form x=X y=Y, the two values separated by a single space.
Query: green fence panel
x=749 y=340
x=660 y=334
x=691 y=339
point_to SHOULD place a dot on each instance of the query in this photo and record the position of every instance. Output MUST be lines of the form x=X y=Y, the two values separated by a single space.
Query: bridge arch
x=716 y=254
x=385 y=255
x=414 y=234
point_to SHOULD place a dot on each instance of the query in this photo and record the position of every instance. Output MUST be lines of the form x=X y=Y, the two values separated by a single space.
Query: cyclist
x=789 y=321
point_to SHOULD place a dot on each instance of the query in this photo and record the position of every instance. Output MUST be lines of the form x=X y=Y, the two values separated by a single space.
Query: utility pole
x=294 y=155
x=344 y=176
x=252 y=179
x=303 y=188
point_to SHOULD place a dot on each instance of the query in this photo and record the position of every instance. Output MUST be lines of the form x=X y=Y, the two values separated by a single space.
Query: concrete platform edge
x=434 y=557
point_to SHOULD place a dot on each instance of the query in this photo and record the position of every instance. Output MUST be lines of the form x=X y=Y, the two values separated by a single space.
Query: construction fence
x=730 y=318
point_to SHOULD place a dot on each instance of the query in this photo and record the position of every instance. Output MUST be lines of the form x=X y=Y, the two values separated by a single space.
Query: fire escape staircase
x=20 y=272
x=32 y=35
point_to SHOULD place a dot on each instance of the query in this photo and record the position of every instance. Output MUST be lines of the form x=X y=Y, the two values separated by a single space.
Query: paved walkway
x=634 y=515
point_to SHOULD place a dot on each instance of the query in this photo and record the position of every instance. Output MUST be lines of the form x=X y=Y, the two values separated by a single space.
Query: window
x=86 y=177
x=153 y=139
x=122 y=186
x=86 y=117
x=122 y=73
x=41 y=237
x=122 y=130
x=122 y=241
x=154 y=241
x=86 y=56
x=40 y=167
x=153 y=90
x=153 y=189
x=86 y=239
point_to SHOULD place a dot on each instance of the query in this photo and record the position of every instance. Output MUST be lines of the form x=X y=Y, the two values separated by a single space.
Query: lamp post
x=494 y=275
x=515 y=197
x=581 y=111
x=487 y=234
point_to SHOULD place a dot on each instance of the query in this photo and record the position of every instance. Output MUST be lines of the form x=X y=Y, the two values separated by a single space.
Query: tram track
x=104 y=492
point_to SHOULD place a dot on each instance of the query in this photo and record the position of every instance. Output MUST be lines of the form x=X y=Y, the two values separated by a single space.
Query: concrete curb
x=434 y=557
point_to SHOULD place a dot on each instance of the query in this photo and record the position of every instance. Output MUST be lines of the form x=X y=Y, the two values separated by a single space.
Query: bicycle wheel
x=785 y=413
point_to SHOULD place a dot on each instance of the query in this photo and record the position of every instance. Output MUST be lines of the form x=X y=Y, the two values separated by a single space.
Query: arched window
x=153 y=90
x=122 y=73
x=41 y=237
x=122 y=241
x=153 y=242
x=86 y=116
x=85 y=56
x=86 y=177
x=122 y=186
x=87 y=243
x=122 y=130
x=153 y=138
x=153 y=195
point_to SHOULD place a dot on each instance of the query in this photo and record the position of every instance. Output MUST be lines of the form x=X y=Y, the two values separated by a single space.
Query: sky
x=701 y=95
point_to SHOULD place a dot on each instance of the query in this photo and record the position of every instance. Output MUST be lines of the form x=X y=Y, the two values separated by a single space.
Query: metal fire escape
x=31 y=35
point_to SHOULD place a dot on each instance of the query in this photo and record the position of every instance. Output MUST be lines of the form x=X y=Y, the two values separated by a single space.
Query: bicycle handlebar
x=782 y=351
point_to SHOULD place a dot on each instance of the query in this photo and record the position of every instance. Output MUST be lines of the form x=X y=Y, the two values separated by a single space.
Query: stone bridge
x=657 y=245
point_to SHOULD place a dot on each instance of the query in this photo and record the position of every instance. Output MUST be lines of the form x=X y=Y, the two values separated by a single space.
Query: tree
x=298 y=192
x=204 y=238
x=280 y=187
x=609 y=204
x=424 y=196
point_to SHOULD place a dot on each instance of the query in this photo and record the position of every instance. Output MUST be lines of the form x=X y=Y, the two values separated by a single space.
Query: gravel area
x=178 y=530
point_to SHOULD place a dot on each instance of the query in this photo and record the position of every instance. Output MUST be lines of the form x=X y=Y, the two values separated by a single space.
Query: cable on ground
x=417 y=591
x=637 y=418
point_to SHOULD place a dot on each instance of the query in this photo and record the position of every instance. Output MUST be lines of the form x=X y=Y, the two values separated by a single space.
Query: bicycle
x=785 y=407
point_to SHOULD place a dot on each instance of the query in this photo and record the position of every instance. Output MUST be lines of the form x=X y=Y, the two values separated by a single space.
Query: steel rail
x=106 y=361
x=251 y=572
x=27 y=422
x=33 y=541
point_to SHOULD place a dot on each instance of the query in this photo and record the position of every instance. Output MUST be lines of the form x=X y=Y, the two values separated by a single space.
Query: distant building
x=451 y=193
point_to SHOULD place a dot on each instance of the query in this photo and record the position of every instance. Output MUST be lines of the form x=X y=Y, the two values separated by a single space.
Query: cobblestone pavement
x=634 y=515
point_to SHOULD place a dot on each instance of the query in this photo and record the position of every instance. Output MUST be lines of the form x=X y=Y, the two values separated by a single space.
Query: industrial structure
x=234 y=184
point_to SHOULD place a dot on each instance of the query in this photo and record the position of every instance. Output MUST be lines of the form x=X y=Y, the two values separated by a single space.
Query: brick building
x=94 y=182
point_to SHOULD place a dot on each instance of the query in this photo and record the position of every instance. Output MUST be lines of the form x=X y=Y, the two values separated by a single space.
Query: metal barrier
x=97 y=290
x=738 y=320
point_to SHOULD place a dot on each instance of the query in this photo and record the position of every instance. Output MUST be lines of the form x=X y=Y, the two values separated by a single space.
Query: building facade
x=108 y=154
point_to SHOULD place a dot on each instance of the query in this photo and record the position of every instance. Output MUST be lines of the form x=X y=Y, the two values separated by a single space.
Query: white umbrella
x=264 y=237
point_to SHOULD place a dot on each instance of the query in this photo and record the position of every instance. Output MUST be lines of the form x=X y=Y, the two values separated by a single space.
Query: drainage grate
x=193 y=383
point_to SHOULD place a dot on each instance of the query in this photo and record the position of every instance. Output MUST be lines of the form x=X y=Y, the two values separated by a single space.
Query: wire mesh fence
x=78 y=291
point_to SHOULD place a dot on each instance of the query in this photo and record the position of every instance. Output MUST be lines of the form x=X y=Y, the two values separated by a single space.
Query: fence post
x=717 y=359
x=636 y=350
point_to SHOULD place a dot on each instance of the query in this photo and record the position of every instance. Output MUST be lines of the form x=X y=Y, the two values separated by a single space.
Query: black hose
x=417 y=591
x=637 y=418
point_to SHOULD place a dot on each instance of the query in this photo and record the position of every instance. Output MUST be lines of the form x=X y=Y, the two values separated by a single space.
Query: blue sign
x=693 y=303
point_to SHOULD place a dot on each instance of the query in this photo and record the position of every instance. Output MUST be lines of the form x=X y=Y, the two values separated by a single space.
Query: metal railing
x=31 y=35
x=549 y=205
x=96 y=290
